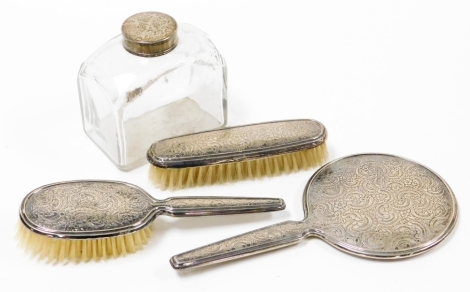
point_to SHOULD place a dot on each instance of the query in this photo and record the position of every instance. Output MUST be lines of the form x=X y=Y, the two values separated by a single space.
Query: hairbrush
x=83 y=220
x=236 y=153
x=370 y=205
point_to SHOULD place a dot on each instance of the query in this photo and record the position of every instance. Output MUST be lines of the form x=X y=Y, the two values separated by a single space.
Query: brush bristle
x=177 y=178
x=59 y=250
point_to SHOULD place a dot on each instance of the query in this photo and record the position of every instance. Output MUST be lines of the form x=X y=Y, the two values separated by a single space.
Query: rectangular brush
x=237 y=153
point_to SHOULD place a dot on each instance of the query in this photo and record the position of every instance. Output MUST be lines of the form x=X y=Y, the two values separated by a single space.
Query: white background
x=383 y=76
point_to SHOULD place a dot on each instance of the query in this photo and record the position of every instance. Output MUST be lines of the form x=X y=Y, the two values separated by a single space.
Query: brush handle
x=257 y=241
x=205 y=206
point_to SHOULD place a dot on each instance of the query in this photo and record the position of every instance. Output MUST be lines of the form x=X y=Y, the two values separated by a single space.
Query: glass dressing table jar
x=156 y=80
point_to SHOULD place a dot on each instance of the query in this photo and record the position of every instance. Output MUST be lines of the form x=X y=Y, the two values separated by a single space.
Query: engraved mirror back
x=379 y=206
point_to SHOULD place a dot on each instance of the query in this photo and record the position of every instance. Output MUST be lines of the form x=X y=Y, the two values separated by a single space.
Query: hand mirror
x=370 y=205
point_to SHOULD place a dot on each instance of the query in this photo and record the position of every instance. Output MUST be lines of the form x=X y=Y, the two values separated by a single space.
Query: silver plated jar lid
x=149 y=34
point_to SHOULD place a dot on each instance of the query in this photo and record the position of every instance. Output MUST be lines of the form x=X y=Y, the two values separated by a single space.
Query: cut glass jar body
x=129 y=102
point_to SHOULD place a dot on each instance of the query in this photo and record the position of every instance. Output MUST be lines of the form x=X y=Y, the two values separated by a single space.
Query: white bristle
x=59 y=250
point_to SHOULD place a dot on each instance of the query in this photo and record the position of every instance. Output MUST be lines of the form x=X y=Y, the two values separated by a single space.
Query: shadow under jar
x=156 y=80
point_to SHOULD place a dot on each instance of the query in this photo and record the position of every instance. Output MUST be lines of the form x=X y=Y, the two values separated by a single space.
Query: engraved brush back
x=371 y=205
x=83 y=208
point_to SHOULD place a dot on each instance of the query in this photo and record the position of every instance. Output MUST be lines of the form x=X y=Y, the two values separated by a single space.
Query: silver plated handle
x=257 y=241
x=206 y=206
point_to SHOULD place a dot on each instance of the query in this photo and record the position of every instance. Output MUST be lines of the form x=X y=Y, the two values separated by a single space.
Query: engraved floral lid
x=149 y=34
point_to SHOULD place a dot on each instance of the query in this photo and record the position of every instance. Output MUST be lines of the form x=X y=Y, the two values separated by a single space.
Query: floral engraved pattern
x=87 y=206
x=240 y=139
x=380 y=203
